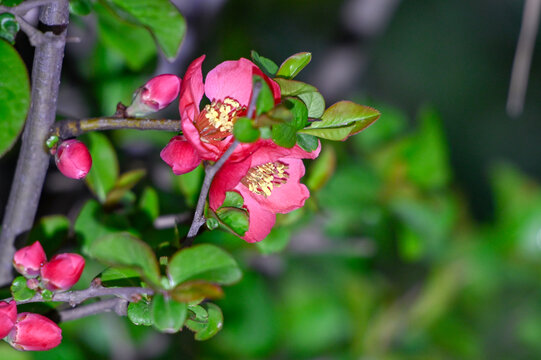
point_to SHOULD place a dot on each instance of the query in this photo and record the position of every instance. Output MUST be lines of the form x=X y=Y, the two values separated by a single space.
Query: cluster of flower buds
x=73 y=159
x=58 y=274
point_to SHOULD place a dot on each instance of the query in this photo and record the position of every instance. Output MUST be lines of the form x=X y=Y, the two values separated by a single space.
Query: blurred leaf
x=14 y=96
x=50 y=231
x=7 y=352
x=134 y=43
x=321 y=169
x=80 y=7
x=163 y=20
x=244 y=130
x=212 y=326
x=314 y=102
x=104 y=172
x=234 y=219
x=197 y=290
x=168 y=316
x=124 y=249
x=268 y=66
x=149 y=203
x=307 y=142
x=233 y=199
x=294 y=87
x=293 y=65
x=11 y=3
x=19 y=290
x=265 y=99
x=113 y=277
x=276 y=241
x=140 y=313
x=8 y=27
x=203 y=262
x=123 y=184
x=190 y=184
x=285 y=134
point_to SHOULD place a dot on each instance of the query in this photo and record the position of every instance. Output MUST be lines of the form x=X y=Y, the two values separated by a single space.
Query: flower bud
x=155 y=95
x=62 y=272
x=8 y=317
x=34 y=332
x=29 y=260
x=73 y=159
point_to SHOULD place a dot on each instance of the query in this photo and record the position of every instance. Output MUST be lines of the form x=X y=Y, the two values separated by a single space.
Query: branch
x=117 y=305
x=25 y=6
x=66 y=129
x=35 y=36
x=33 y=158
x=210 y=172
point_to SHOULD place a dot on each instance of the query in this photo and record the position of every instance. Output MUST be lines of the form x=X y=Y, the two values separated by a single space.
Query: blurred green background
x=422 y=237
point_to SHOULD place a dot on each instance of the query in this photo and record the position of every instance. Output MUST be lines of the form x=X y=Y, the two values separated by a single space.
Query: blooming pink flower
x=73 y=159
x=63 y=271
x=156 y=94
x=268 y=181
x=8 y=317
x=29 y=259
x=209 y=131
x=34 y=332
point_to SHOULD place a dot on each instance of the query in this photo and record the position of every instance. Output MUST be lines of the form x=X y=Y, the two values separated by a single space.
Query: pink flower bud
x=73 y=159
x=29 y=260
x=8 y=317
x=34 y=332
x=155 y=95
x=62 y=272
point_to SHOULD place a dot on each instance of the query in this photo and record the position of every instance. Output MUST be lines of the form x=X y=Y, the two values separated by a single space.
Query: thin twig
x=66 y=129
x=35 y=36
x=523 y=57
x=25 y=6
x=210 y=172
x=117 y=305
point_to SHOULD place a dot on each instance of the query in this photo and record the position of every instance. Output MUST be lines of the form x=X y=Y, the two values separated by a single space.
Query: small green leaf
x=244 y=130
x=47 y=295
x=268 y=66
x=335 y=133
x=168 y=316
x=307 y=142
x=140 y=313
x=233 y=199
x=265 y=99
x=80 y=7
x=214 y=323
x=104 y=172
x=20 y=291
x=322 y=169
x=161 y=18
x=123 y=184
x=149 y=203
x=14 y=96
x=120 y=277
x=314 y=102
x=294 y=87
x=51 y=231
x=123 y=249
x=293 y=65
x=197 y=290
x=203 y=262
x=197 y=313
x=190 y=184
x=234 y=219
x=8 y=27
x=284 y=134
x=11 y=3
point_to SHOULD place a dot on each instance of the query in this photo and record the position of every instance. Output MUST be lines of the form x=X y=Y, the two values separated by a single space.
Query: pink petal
x=231 y=79
x=273 y=85
x=191 y=91
x=261 y=220
x=225 y=180
x=180 y=155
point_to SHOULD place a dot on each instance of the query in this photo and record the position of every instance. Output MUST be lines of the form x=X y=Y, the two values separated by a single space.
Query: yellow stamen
x=262 y=179
x=216 y=120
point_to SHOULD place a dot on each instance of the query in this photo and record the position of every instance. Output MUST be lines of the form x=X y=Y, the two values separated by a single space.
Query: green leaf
x=11 y=3
x=276 y=241
x=196 y=291
x=265 y=99
x=284 y=134
x=322 y=169
x=214 y=323
x=335 y=134
x=244 y=130
x=314 y=102
x=149 y=203
x=293 y=65
x=140 y=313
x=203 y=262
x=51 y=231
x=120 y=277
x=14 y=96
x=132 y=42
x=190 y=184
x=47 y=294
x=161 y=18
x=104 y=172
x=123 y=249
x=307 y=142
x=233 y=199
x=168 y=316
x=19 y=290
x=8 y=27
x=268 y=66
x=123 y=184
x=294 y=87
x=80 y=7
x=235 y=219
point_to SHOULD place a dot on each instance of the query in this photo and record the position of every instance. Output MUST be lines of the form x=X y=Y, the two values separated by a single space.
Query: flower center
x=262 y=179
x=215 y=122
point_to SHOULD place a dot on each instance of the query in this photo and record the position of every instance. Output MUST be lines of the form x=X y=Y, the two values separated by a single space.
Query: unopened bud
x=62 y=271
x=29 y=260
x=155 y=95
x=34 y=332
x=8 y=317
x=73 y=159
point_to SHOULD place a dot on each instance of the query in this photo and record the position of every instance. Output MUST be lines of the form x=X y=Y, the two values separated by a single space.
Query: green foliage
x=213 y=323
x=80 y=7
x=9 y=27
x=14 y=96
x=265 y=99
x=190 y=184
x=294 y=87
x=268 y=66
x=140 y=313
x=244 y=130
x=196 y=291
x=104 y=172
x=285 y=133
x=19 y=290
x=168 y=315
x=314 y=102
x=51 y=231
x=293 y=65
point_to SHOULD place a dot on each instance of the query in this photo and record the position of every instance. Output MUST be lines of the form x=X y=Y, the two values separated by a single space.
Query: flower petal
x=261 y=220
x=225 y=180
x=191 y=91
x=180 y=155
x=231 y=79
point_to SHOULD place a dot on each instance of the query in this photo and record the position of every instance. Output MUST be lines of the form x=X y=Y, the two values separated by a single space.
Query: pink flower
x=29 y=260
x=180 y=155
x=63 y=271
x=209 y=131
x=156 y=94
x=268 y=181
x=73 y=159
x=8 y=317
x=34 y=332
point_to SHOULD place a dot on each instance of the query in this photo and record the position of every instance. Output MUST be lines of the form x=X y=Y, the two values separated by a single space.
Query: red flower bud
x=62 y=272
x=29 y=260
x=73 y=159
x=155 y=95
x=34 y=332
x=8 y=316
